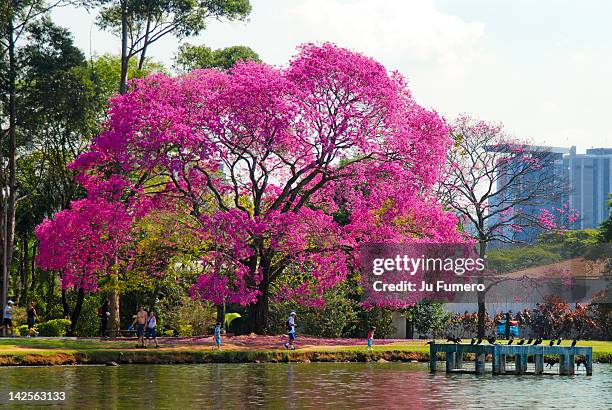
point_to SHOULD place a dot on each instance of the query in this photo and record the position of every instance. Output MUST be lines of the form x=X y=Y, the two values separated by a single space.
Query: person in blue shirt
x=217 y=337
x=291 y=331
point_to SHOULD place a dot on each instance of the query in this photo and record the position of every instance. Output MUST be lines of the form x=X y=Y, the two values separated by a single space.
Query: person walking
x=103 y=314
x=291 y=331
x=371 y=338
x=32 y=315
x=140 y=321
x=151 y=331
x=217 y=337
x=7 y=318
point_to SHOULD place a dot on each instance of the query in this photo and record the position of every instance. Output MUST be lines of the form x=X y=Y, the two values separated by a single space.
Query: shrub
x=55 y=327
x=334 y=319
x=185 y=329
x=21 y=330
x=188 y=316
x=430 y=317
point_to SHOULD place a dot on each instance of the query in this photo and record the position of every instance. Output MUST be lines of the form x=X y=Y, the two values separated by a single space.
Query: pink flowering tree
x=82 y=243
x=280 y=172
x=502 y=189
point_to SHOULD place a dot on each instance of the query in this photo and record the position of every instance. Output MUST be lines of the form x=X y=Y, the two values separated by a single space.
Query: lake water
x=303 y=385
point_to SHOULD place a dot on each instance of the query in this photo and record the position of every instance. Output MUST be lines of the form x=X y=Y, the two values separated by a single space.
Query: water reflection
x=297 y=386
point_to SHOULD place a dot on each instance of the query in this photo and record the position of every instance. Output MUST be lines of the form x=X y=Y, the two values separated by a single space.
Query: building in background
x=589 y=176
x=588 y=182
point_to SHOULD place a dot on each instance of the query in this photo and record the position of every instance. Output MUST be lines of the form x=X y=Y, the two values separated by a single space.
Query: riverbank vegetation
x=15 y=352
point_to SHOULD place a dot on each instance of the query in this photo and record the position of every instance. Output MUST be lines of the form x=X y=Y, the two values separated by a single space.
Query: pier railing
x=500 y=354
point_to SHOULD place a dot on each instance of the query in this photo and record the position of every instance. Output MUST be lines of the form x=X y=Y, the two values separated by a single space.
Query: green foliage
x=551 y=247
x=88 y=324
x=188 y=317
x=182 y=18
x=185 y=329
x=54 y=327
x=22 y=330
x=605 y=229
x=382 y=319
x=106 y=72
x=430 y=317
x=191 y=57
x=334 y=319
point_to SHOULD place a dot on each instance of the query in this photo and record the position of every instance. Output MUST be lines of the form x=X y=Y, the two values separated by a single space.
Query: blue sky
x=542 y=67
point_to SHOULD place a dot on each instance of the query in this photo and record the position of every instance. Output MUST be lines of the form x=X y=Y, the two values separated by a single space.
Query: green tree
x=430 y=317
x=140 y=23
x=605 y=229
x=191 y=57
x=16 y=18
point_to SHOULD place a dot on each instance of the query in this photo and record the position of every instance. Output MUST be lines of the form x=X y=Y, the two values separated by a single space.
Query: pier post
x=480 y=363
x=538 y=361
x=570 y=365
x=519 y=363
x=433 y=359
x=564 y=364
x=450 y=361
x=458 y=360
x=589 y=364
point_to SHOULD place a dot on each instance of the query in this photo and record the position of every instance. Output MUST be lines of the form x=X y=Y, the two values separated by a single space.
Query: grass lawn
x=15 y=351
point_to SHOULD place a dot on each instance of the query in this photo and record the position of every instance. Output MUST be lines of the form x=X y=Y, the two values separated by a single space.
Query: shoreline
x=236 y=349
x=170 y=357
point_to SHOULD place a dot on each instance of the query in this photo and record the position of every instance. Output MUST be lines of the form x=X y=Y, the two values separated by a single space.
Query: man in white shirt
x=7 y=317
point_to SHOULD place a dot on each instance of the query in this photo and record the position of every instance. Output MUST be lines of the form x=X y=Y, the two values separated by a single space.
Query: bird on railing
x=473 y=341
x=530 y=340
x=431 y=342
x=520 y=342
x=450 y=339
x=491 y=340
x=537 y=341
x=574 y=342
x=559 y=340
x=552 y=342
x=479 y=341
x=510 y=342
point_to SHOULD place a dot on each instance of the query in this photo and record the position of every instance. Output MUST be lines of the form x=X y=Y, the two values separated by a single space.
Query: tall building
x=589 y=176
x=520 y=185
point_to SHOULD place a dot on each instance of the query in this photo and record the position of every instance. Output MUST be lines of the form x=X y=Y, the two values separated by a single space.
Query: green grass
x=96 y=351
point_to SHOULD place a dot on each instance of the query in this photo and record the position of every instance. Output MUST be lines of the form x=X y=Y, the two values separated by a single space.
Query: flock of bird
x=492 y=340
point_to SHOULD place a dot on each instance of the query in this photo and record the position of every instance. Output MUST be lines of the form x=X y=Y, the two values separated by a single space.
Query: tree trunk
x=114 y=321
x=482 y=311
x=258 y=312
x=12 y=183
x=221 y=314
x=143 y=53
x=65 y=306
x=124 y=52
x=76 y=312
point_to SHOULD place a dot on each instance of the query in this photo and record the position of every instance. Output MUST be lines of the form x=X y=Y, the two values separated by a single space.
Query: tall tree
x=500 y=186
x=140 y=23
x=258 y=160
x=190 y=57
x=16 y=16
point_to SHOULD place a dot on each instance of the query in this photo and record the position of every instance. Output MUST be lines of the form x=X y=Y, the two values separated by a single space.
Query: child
x=371 y=338
x=217 y=337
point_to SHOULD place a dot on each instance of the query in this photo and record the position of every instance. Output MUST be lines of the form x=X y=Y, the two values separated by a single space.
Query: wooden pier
x=500 y=354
